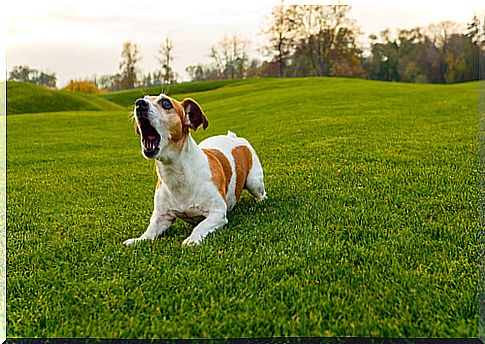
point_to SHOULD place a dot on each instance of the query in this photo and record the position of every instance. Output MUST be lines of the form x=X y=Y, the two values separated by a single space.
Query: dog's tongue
x=151 y=138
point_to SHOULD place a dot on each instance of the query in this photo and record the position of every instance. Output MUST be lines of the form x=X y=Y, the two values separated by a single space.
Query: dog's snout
x=141 y=104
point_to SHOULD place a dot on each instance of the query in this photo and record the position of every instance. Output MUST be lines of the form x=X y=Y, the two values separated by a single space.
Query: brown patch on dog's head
x=189 y=113
x=174 y=117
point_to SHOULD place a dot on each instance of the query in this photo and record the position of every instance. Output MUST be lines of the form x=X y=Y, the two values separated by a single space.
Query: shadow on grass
x=246 y=207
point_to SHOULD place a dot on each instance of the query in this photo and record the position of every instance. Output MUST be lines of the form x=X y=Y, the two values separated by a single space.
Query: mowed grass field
x=370 y=228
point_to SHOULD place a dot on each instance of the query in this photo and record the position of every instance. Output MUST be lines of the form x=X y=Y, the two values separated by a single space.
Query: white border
x=3 y=184
x=3 y=210
x=481 y=187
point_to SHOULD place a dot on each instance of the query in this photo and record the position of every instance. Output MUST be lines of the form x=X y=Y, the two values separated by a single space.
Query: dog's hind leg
x=255 y=180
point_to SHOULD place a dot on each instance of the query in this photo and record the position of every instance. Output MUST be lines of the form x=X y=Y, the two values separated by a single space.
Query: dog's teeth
x=149 y=144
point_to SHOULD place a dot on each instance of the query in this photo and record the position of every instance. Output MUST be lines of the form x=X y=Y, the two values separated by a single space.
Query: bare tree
x=166 y=53
x=281 y=34
x=230 y=57
x=196 y=72
x=109 y=82
x=128 y=65
x=441 y=32
x=240 y=63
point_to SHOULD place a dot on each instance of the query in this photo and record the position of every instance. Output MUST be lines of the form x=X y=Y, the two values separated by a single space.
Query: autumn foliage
x=83 y=87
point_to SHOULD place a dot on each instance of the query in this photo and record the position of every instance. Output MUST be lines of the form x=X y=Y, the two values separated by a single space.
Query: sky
x=81 y=39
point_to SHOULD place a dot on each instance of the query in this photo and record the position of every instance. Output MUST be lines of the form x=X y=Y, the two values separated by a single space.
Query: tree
x=45 y=79
x=473 y=30
x=128 y=65
x=439 y=53
x=152 y=79
x=166 y=59
x=196 y=72
x=33 y=76
x=409 y=65
x=475 y=53
x=384 y=60
x=109 y=82
x=254 y=67
x=330 y=38
x=454 y=58
x=281 y=34
x=314 y=40
x=230 y=57
x=21 y=74
x=441 y=36
x=440 y=32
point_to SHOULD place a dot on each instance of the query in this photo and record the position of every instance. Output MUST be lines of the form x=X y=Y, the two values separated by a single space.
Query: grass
x=127 y=98
x=28 y=98
x=370 y=228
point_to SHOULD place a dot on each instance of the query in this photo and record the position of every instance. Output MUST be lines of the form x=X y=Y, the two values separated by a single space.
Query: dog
x=198 y=184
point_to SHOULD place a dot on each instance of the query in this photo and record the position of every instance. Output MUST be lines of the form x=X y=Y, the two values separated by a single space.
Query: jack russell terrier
x=198 y=184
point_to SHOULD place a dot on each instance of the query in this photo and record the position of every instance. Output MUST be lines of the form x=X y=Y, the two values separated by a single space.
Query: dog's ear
x=194 y=116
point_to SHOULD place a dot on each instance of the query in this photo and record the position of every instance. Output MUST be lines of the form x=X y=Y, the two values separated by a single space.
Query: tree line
x=313 y=40
x=33 y=76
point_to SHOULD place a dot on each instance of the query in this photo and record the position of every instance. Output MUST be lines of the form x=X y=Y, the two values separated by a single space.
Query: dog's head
x=163 y=122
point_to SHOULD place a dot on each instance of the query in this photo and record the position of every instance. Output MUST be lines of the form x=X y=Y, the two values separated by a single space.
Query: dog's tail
x=231 y=134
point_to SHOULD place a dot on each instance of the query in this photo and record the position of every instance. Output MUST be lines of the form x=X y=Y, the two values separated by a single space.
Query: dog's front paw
x=191 y=241
x=131 y=241
x=261 y=198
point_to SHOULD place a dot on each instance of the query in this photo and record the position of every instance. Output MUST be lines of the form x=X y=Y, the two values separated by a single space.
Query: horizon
x=93 y=33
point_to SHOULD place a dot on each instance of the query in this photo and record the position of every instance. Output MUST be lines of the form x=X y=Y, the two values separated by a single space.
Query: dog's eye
x=165 y=103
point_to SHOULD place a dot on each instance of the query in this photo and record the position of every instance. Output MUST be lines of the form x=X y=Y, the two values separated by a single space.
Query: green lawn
x=27 y=98
x=370 y=228
x=127 y=97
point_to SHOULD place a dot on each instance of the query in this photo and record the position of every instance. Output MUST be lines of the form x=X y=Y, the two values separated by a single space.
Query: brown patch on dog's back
x=243 y=160
x=220 y=170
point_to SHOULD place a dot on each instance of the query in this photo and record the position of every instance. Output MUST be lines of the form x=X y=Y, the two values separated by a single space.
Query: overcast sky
x=79 y=39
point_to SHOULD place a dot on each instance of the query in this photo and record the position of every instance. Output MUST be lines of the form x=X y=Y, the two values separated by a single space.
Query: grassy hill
x=128 y=97
x=370 y=228
x=27 y=98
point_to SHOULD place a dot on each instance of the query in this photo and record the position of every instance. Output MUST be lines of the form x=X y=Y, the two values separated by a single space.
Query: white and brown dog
x=198 y=184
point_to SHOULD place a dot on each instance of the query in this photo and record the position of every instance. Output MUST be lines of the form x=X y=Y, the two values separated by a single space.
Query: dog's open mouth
x=150 y=138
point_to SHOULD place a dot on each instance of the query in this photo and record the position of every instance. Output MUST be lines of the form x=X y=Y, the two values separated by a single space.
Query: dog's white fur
x=190 y=175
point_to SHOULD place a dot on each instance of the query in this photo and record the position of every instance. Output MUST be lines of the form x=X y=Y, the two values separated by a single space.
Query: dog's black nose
x=141 y=104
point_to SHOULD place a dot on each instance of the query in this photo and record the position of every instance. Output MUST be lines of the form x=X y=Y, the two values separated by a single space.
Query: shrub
x=83 y=87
